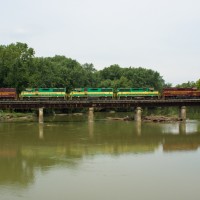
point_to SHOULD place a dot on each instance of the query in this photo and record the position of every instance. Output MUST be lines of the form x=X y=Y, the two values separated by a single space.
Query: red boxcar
x=181 y=93
x=8 y=93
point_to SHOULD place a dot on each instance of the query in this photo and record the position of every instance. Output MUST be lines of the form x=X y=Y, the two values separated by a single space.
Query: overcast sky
x=163 y=35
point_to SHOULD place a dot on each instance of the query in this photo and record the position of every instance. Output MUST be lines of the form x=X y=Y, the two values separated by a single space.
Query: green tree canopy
x=15 y=63
x=20 y=69
x=188 y=84
x=198 y=84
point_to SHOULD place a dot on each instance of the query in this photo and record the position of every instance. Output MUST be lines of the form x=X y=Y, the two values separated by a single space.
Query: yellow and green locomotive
x=43 y=94
x=91 y=93
x=137 y=93
x=88 y=93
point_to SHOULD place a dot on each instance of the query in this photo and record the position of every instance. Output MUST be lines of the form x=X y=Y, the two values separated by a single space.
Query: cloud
x=162 y=35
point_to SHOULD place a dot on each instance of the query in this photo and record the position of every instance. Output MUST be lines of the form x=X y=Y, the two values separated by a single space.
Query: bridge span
x=98 y=104
x=91 y=104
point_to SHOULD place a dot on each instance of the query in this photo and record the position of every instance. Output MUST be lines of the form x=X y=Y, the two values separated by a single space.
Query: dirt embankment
x=16 y=116
x=127 y=118
x=153 y=118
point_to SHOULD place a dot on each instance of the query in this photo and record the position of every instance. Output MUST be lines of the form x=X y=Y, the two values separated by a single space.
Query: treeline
x=20 y=68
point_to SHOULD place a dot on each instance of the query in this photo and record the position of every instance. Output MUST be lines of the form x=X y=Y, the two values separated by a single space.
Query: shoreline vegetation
x=151 y=118
x=13 y=117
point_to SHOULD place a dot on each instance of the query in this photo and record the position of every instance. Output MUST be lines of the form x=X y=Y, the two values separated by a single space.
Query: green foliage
x=198 y=84
x=113 y=72
x=114 y=76
x=15 y=63
x=123 y=82
x=167 y=85
x=20 y=69
x=189 y=84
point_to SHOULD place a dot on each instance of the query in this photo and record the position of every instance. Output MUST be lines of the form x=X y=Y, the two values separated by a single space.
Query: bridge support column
x=91 y=109
x=41 y=115
x=138 y=113
x=182 y=112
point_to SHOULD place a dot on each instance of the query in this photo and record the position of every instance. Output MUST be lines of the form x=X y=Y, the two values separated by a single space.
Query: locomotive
x=98 y=93
x=43 y=94
x=91 y=93
x=137 y=93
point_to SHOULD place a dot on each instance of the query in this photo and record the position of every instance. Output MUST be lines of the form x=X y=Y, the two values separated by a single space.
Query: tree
x=91 y=75
x=15 y=63
x=113 y=72
x=188 y=84
x=198 y=84
x=20 y=69
x=141 y=77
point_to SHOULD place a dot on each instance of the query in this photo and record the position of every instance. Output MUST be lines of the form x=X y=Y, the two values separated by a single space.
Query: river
x=95 y=158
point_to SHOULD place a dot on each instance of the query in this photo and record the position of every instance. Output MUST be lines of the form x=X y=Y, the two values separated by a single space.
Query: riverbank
x=151 y=118
x=14 y=116
x=161 y=118
x=4 y=116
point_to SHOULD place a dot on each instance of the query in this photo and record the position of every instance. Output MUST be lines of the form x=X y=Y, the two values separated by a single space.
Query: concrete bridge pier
x=182 y=112
x=41 y=115
x=138 y=114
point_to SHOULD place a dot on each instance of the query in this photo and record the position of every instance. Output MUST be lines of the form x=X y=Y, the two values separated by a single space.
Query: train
x=99 y=93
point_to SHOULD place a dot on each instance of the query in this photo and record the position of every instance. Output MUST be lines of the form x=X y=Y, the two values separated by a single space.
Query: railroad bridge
x=91 y=104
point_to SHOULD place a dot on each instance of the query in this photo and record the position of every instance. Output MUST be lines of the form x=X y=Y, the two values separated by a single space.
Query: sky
x=162 y=35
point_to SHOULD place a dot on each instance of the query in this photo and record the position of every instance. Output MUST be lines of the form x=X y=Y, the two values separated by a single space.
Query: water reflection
x=138 y=127
x=26 y=148
x=189 y=127
x=91 y=115
x=91 y=123
x=182 y=127
x=41 y=132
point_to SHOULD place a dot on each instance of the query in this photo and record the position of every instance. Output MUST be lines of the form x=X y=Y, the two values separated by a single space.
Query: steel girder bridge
x=97 y=104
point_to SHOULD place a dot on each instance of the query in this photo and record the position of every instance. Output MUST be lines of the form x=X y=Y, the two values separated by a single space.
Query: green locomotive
x=137 y=93
x=88 y=93
x=91 y=93
x=43 y=94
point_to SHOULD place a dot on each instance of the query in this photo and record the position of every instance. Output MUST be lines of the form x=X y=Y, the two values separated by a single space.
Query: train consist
x=98 y=93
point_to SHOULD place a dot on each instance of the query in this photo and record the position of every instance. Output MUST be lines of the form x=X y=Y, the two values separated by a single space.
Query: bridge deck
x=98 y=103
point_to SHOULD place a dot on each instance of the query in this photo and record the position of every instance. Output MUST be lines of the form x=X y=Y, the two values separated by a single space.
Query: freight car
x=180 y=93
x=91 y=93
x=8 y=94
x=137 y=93
x=43 y=94
x=98 y=93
